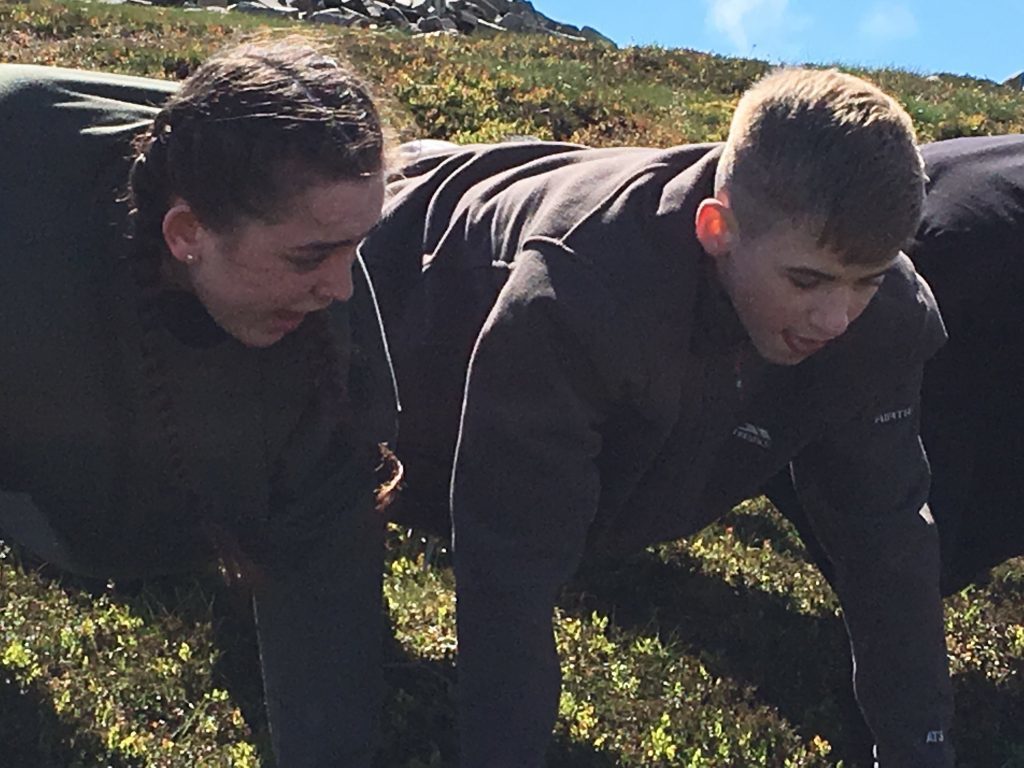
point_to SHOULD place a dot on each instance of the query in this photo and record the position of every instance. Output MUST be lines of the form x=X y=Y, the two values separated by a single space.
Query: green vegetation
x=479 y=89
x=725 y=650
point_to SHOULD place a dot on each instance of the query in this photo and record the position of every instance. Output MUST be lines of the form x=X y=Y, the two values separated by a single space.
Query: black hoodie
x=85 y=462
x=613 y=399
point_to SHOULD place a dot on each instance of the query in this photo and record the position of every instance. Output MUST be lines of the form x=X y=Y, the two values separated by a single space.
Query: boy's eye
x=803 y=283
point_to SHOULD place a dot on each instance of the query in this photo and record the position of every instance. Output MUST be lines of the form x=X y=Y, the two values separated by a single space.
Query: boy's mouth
x=803 y=345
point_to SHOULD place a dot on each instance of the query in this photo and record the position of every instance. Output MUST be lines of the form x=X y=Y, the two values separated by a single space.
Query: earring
x=190 y=258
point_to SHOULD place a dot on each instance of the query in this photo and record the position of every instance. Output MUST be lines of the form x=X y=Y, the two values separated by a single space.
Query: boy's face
x=792 y=296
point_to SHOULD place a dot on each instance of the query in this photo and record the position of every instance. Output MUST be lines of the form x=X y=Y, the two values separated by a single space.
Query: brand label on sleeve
x=889 y=416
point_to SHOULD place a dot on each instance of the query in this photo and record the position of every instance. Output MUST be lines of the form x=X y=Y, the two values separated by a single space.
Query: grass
x=725 y=650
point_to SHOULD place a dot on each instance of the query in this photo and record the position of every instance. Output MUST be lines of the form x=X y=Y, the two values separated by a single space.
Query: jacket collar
x=716 y=326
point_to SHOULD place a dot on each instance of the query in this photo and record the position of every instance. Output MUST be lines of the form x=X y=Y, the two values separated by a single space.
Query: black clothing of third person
x=970 y=249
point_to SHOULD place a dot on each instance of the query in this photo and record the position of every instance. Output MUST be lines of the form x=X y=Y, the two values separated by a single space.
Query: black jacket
x=970 y=249
x=612 y=398
x=84 y=455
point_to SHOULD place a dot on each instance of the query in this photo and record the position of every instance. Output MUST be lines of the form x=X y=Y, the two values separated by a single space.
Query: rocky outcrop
x=415 y=16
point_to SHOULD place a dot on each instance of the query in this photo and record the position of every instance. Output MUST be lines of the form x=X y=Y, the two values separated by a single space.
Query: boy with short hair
x=637 y=339
x=968 y=248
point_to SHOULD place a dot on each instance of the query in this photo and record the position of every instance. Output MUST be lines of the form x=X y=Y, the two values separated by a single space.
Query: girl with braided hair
x=192 y=368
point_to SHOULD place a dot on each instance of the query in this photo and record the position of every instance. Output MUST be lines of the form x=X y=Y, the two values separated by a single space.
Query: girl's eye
x=305 y=265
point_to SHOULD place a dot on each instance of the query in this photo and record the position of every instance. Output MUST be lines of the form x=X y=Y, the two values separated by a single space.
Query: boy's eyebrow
x=827 y=277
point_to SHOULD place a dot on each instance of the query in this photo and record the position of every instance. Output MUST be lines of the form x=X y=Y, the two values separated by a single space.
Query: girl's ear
x=182 y=232
x=715 y=226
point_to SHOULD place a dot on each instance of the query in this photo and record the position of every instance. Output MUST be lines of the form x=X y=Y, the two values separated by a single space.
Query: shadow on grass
x=33 y=735
x=799 y=664
x=204 y=597
x=989 y=722
x=420 y=713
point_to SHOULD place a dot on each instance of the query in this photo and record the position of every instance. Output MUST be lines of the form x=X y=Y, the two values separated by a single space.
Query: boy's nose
x=832 y=316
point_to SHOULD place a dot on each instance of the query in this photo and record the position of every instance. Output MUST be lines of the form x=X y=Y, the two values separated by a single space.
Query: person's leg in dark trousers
x=320 y=634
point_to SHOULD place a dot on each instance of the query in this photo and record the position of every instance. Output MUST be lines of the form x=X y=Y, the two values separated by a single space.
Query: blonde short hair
x=827 y=151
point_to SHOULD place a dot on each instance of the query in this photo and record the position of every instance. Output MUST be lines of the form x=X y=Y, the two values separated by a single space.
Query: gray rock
x=594 y=36
x=417 y=7
x=393 y=16
x=483 y=9
x=420 y=16
x=435 y=24
x=375 y=11
x=465 y=21
x=483 y=25
x=565 y=29
x=513 y=22
x=564 y=36
x=340 y=17
x=265 y=8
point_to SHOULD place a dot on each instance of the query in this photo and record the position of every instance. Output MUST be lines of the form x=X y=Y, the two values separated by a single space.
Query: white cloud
x=768 y=25
x=885 y=23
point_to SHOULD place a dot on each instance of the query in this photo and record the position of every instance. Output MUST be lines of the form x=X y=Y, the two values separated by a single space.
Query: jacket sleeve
x=525 y=489
x=22 y=523
x=865 y=487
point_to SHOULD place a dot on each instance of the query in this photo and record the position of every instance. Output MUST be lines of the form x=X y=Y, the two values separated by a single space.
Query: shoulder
x=61 y=128
x=904 y=317
x=975 y=192
x=33 y=87
x=899 y=331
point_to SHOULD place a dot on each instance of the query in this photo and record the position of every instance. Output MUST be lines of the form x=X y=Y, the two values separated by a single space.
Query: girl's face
x=259 y=280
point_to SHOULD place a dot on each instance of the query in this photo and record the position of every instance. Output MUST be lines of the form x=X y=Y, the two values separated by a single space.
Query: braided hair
x=251 y=128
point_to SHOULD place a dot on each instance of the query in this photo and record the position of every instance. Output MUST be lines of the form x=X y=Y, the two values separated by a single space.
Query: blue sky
x=983 y=38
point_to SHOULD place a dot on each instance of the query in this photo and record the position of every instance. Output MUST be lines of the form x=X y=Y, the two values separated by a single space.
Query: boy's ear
x=715 y=226
x=182 y=232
